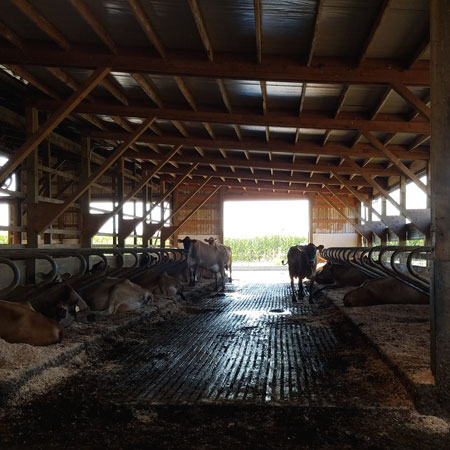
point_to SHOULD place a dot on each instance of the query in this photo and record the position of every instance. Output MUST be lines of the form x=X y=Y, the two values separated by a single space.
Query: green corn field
x=272 y=249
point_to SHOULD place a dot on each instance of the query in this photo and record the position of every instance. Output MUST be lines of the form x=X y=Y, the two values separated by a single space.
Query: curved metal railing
x=116 y=262
x=408 y=264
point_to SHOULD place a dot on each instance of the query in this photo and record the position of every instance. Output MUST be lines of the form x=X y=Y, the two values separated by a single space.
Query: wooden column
x=383 y=214
x=311 y=223
x=32 y=177
x=85 y=199
x=47 y=179
x=220 y=211
x=402 y=236
x=440 y=194
x=120 y=178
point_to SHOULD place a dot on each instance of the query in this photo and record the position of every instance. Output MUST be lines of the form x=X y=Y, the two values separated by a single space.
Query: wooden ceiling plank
x=201 y=28
x=95 y=24
x=258 y=29
x=52 y=122
x=147 y=27
x=42 y=23
x=312 y=44
x=412 y=99
x=382 y=12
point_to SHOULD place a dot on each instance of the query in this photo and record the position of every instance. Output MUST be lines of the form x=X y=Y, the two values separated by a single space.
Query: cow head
x=187 y=241
x=210 y=241
x=310 y=252
x=71 y=307
x=325 y=275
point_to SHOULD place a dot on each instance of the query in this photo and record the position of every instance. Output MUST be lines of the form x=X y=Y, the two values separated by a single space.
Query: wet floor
x=247 y=369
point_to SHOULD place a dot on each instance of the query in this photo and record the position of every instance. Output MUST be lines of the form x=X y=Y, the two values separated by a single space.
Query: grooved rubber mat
x=244 y=346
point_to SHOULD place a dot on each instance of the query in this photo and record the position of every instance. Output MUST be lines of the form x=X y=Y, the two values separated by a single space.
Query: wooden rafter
x=43 y=24
x=258 y=29
x=148 y=87
x=312 y=44
x=145 y=24
x=224 y=94
x=11 y=36
x=186 y=92
x=201 y=28
x=264 y=96
x=382 y=12
x=95 y=24
x=115 y=89
x=52 y=122
x=423 y=47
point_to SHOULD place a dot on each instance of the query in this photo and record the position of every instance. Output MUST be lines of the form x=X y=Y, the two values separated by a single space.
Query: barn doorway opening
x=260 y=232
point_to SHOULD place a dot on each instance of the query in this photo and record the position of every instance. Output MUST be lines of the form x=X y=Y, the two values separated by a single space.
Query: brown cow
x=115 y=295
x=302 y=261
x=20 y=323
x=229 y=253
x=385 y=291
x=340 y=275
x=201 y=255
x=168 y=286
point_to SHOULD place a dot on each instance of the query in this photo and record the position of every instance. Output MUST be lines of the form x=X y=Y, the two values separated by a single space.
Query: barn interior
x=126 y=124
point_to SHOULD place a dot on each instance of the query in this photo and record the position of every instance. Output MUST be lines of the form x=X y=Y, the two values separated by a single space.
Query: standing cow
x=229 y=260
x=302 y=261
x=201 y=255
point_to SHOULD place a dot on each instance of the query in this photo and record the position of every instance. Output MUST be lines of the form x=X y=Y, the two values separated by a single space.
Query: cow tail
x=284 y=263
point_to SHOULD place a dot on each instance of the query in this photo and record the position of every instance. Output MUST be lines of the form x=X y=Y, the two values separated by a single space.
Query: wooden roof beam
x=52 y=122
x=237 y=130
x=264 y=96
x=186 y=92
x=115 y=89
x=224 y=94
x=11 y=36
x=258 y=29
x=42 y=23
x=312 y=44
x=201 y=28
x=274 y=145
x=276 y=118
x=225 y=65
x=95 y=24
x=421 y=139
x=148 y=87
x=180 y=127
x=382 y=12
x=147 y=27
x=423 y=47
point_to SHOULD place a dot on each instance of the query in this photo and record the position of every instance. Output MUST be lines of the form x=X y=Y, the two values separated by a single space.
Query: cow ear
x=206 y=240
x=320 y=247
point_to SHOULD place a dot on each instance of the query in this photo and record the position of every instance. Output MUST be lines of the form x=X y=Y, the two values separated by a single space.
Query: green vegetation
x=4 y=238
x=271 y=249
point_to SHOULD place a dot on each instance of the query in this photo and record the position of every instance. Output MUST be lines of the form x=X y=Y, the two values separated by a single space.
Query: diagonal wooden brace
x=44 y=215
x=52 y=122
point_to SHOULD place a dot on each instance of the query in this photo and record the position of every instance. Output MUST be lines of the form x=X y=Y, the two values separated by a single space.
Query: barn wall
x=329 y=228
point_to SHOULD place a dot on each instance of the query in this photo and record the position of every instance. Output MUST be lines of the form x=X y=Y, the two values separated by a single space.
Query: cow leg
x=222 y=274
x=230 y=279
x=301 y=293
x=192 y=273
x=311 y=285
x=294 y=298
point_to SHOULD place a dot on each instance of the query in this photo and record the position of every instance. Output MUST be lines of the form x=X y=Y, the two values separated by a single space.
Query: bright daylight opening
x=261 y=232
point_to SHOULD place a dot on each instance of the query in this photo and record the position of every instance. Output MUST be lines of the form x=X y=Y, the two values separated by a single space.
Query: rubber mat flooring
x=243 y=346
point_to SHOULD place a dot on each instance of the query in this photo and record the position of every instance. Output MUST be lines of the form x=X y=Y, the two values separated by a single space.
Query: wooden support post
x=440 y=194
x=220 y=212
x=85 y=199
x=120 y=195
x=402 y=236
x=47 y=180
x=32 y=174
x=52 y=122
x=383 y=214
x=311 y=217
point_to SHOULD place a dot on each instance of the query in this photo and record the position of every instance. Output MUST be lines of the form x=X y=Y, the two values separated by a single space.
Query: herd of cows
x=21 y=323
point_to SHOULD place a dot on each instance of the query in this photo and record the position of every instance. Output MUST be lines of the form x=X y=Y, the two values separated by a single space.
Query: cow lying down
x=116 y=295
x=20 y=323
x=340 y=275
x=385 y=291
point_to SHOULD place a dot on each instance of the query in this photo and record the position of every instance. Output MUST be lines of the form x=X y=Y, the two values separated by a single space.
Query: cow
x=385 y=291
x=116 y=295
x=302 y=262
x=20 y=323
x=168 y=286
x=201 y=255
x=340 y=275
x=229 y=259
